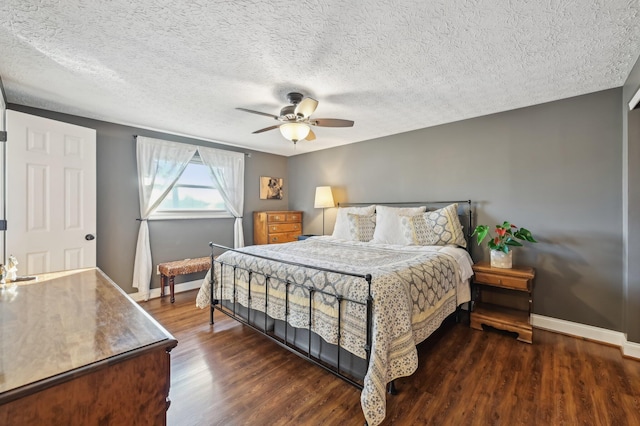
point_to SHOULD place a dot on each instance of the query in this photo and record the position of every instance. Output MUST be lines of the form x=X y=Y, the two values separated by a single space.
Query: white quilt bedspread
x=414 y=289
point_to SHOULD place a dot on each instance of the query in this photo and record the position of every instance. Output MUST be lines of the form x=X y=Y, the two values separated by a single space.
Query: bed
x=355 y=303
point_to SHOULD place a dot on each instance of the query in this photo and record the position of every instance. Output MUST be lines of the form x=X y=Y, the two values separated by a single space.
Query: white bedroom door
x=3 y=108
x=51 y=194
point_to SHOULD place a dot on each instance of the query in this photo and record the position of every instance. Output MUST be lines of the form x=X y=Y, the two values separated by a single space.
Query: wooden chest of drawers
x=273 y=227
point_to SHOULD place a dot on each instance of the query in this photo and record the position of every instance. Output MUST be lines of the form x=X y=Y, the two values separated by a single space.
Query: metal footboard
x=258 y=318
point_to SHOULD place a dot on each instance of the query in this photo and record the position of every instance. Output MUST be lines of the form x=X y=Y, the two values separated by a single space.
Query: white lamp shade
x=324 y=197
x=306 y=107
x=294 y=131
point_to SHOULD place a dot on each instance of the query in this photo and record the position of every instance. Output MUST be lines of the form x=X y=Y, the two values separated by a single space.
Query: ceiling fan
x=296 y=118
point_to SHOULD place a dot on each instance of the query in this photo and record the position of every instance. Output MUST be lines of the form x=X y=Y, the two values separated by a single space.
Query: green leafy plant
x=507 y=236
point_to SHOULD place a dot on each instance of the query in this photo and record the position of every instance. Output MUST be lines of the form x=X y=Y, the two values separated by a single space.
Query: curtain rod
x=247 y=154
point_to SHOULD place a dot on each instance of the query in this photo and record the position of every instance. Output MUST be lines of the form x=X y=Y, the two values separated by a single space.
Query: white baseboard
x=602 y=335
x=631 y=349
x=178 y=288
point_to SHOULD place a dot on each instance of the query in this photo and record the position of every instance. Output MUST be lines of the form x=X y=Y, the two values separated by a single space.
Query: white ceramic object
x=500 y=259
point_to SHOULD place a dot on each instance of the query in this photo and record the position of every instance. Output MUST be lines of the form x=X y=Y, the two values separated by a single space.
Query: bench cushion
x=186 y=266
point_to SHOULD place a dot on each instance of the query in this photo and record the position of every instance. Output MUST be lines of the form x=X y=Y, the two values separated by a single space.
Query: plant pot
x=500 y=259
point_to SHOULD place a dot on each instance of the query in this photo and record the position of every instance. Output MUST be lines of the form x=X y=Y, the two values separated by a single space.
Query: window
x=195 y=195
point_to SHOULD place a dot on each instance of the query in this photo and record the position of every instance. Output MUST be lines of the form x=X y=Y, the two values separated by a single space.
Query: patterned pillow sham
x=361 y=227
x=446 y=225
x=341 y=228
x=417 y=231
x=388 y=229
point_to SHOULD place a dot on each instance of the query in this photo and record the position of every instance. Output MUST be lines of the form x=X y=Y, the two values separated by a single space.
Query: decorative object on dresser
x=503 y=298
x=12 y=268
x=501 y=256
x=273 y=227
x=323 y=200
x=169 y=270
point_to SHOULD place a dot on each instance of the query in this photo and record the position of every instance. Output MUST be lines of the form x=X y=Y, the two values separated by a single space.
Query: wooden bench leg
x=171 y=288
x=162 y=281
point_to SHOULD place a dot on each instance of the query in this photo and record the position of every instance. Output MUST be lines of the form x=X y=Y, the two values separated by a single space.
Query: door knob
x=89 y=237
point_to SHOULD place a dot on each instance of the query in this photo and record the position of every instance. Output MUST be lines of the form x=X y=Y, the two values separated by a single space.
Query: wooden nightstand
x=503 y=299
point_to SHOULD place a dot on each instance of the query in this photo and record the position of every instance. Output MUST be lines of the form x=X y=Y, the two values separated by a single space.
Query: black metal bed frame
x=284 y=342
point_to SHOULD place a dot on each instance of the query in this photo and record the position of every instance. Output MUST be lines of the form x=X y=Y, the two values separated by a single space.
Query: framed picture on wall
x=271 y=188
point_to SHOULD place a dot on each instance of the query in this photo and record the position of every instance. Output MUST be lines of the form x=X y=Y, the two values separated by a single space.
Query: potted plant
x=507 y=235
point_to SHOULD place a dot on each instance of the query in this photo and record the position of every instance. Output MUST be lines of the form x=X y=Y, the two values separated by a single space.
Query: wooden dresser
x=76 y=350
x=273 y=227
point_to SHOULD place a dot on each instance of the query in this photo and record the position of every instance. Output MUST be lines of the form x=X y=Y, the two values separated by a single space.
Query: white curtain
x=160 y=164
x=227 y=168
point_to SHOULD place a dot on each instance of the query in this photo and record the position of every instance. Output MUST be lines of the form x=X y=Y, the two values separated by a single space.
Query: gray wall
x=554 y=168
x=118 y=205
x=631 y=154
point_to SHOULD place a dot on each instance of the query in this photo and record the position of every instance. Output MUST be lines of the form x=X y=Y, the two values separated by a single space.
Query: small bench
x=180 y=267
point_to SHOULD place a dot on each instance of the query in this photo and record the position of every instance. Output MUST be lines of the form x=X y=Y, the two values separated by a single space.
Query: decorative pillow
x=388 y=228
x=341 y=228
x=361 y=227
x=417 y=231
x=446 y=225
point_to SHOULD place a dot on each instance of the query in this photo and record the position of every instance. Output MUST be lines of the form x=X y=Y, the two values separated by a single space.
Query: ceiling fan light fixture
x=296 y=119
x=294 y=131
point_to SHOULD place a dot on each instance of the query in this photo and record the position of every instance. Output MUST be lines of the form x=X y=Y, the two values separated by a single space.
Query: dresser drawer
x=276 y=217
x=282 y=238
x=294 y=217
x=502 y=281
x=293 y=236
x=284 y=227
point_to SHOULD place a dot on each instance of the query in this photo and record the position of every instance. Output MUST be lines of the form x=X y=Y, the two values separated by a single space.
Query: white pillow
x=341 y=228
x=388 y=227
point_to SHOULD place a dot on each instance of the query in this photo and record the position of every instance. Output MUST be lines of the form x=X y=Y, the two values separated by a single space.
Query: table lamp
x=324 y=199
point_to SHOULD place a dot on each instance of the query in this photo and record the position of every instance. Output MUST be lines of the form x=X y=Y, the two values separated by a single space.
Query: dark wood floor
x=227 y=374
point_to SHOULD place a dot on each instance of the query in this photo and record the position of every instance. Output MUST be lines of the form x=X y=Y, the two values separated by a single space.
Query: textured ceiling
x=183 y=66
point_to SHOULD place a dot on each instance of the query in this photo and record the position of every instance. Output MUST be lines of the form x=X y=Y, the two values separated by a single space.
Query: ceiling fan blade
x=311 y=136
x=258 y=112
x=267 y=129
x=306 y=107
x=331 y=122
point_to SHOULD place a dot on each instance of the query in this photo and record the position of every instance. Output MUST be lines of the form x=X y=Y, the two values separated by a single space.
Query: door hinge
x=3 y=225
x=3 y=136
